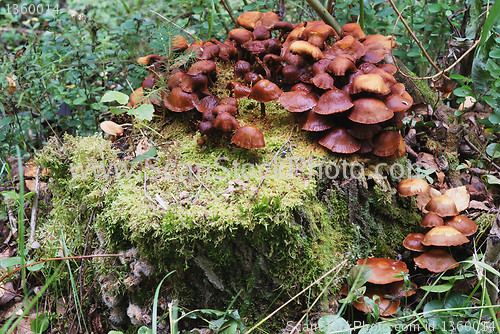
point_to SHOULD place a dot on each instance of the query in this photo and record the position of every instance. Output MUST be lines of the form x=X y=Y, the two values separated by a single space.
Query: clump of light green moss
x=221 y=240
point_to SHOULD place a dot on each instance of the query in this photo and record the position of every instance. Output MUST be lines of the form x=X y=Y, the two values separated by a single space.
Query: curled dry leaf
x=460 y=196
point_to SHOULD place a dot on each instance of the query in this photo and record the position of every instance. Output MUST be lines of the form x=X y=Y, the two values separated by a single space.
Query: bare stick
x=254 y=195
x=178 y=27
x=480 y=152
x=203 y=184
x=229 y=12
x=414 y=37
x=34 y=208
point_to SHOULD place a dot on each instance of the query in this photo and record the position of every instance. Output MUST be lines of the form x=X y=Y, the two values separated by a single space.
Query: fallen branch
x=33 y=244
x=482 y=153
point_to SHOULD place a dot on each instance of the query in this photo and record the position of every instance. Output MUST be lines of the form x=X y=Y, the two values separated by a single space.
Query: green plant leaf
x=35 y=267
x=5 y=121
x=493 y=150
x=495 y=54
x=359 y=274
x=432 y=319
x=115 y=96
x=80 y=100
x=40 y=323
x=144 y=330
x=117 y=111
x=480 y=75
x=143 y=112
x=490 y=179
x=115 y=332
x=491 y=19
x=463 y=91
x=10 y=261
x=455 y=300
x=334 y=324
x=438 y=288
x=378 y=328
x=146 y=156
x=10 y=194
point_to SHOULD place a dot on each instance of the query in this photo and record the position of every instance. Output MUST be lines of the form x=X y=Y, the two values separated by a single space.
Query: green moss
x=221 y=241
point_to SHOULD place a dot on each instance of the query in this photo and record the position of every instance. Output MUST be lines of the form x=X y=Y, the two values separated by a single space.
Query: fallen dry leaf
x=460 y=196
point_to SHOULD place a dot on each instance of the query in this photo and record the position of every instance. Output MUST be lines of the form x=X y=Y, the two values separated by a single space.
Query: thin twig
x=480 y=152
x=414 y=37
x=203 y=184
x=178 y=27
x=229 y=12
x=34 y=208
x=254 y=195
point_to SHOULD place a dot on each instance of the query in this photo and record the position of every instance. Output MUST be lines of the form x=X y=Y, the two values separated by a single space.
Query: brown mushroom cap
x=389 y=68
x=316 y=123
x=463 y=224
x=364 y=131
x=333 y=101
x=369 y=110
x=396 y=289
x=298 y=100
x=413 y=241
x=270 y=19
x=228 y=108
x=376 y=47
x=387 y=306
x=444 y=236
x=431 y=219
x=226 y=122
x=460 y=196
x=179 y=101
x=179 y=43
x=338 y=140
x=240 y=35
x=111 y=128
x=369 y=83
x=436 y=260
x=398 y=103
x=248 y=137
x=202 y=67
x=442 y=205
x=316 y=34
x=265 y=91
x=148 y=60
x=413 y=186
x=384 y=270
x=304 y=48
x=205 y=128
x=323 y=81
x=386 y=143
x=261 y=33
x=348 y=47
x=207 y=103
x=241 y=68
x=240 y=91
x=250 y=20
x=137 y=97
x=340 y=65
x=352 y=29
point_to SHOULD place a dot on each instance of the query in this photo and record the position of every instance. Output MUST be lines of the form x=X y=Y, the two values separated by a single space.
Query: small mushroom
x=265 y=91
x=112 y=129
x=226 y=122
x=431 y=219
x=442 y=205
x=369 y=83
x=386 y=143
x=463 y=224
x=413 y=186
x=333 y=101
x=444 y=236
x=413 y=241
x=384 y=270
x=369 y=110
x=436 y=260
x=248 y=137
x=338 y=140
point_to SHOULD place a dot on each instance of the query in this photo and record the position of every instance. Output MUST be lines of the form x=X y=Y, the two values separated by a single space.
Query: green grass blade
x=155 y=304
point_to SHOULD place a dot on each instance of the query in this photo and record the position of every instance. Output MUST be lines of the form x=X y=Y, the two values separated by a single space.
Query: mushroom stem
x=323 y=13
x=262 y=109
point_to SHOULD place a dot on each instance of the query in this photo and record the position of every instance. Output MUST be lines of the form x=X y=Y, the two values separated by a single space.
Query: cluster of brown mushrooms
x=332 y=81
x=385 y=280
x=446 y=227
